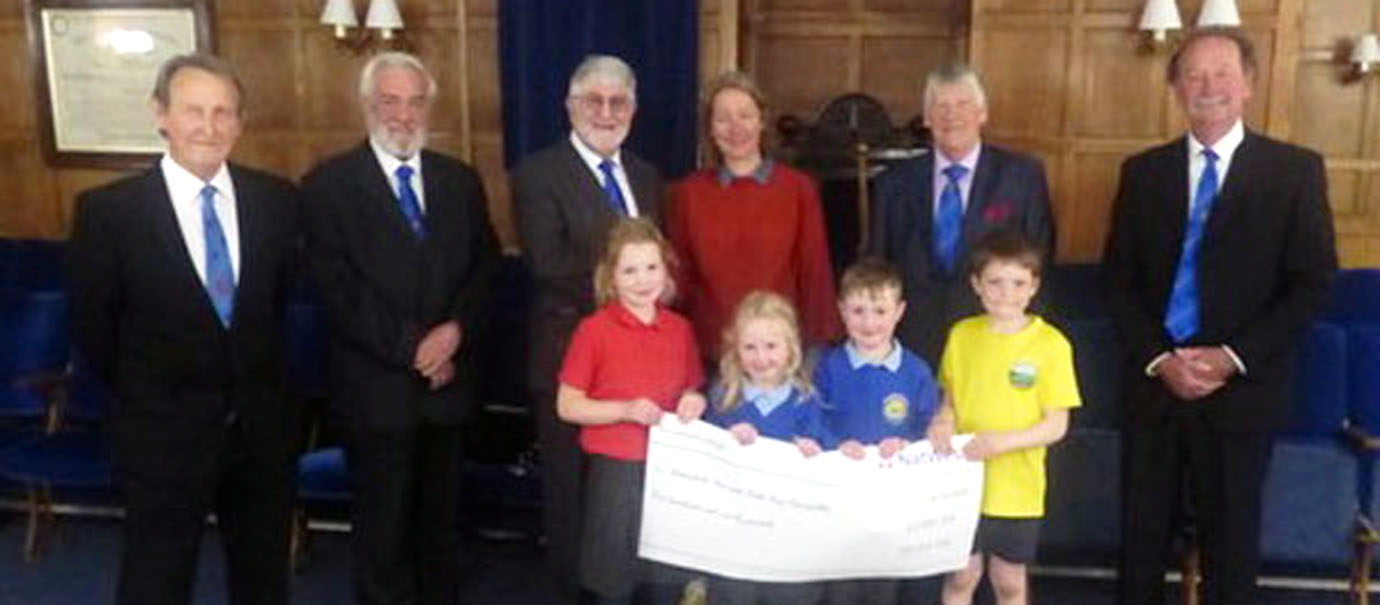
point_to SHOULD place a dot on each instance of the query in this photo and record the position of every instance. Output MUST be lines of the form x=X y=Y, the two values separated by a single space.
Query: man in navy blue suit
x=928 y=211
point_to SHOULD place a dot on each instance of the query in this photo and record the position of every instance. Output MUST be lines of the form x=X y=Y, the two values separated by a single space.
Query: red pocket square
x=997 y=213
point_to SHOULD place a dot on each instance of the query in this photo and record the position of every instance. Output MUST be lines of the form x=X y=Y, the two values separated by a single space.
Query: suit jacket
x=145 y=324
x=383 y=287
x=1008 y=191
x=1264 y=266
x=563 y=218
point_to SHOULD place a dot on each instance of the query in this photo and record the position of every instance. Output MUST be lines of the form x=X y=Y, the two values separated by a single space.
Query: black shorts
x=1014 y=540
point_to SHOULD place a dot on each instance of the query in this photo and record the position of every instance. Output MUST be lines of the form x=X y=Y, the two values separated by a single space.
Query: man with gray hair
x=565 y=198
x=928 y=211
x=402 y=250
x=178 y=276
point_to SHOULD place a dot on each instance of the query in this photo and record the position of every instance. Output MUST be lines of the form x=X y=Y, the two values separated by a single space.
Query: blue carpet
x=78 y=566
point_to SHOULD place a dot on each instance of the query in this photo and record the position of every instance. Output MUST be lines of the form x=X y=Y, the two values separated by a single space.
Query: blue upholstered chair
x=31 y=264
x=70 y=453
x=1083 y=503
x=1310 y=501
x=321 y=472
x=33 y=343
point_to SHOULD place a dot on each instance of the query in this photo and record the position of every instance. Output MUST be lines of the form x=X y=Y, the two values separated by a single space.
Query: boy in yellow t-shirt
x=1008 y=378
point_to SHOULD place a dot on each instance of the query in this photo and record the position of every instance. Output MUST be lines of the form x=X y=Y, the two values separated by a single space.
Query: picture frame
x=95 y=66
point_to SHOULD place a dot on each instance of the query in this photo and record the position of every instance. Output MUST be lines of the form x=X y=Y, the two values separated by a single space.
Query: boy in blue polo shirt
x=875 y=391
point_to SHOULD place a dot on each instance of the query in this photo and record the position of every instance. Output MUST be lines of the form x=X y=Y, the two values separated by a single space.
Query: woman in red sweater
x=748 y=223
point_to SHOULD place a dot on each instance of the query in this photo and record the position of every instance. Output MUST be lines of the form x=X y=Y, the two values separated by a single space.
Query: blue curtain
x=541 y=42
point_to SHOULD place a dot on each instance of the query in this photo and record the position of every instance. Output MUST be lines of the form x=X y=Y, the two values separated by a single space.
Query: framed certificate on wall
x=96 y=65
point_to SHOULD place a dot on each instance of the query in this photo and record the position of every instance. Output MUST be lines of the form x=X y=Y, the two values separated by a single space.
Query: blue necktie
x=220 y=277
x=611 y=188
x=1181 y=319
x=407 y=201
x=948 y=221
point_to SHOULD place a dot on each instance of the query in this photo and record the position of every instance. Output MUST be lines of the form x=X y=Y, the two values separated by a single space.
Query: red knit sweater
x=744 y=236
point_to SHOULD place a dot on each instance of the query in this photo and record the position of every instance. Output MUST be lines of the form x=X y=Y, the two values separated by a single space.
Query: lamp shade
x=1366 y=50
x=384 y=15
x=339 y=13
x=1160 y=15
x=1219 y=13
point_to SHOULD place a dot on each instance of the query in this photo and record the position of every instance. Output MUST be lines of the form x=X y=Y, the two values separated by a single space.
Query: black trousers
x=562 y=485
x=251 y=496
x=406 y=543
x=1224 y=472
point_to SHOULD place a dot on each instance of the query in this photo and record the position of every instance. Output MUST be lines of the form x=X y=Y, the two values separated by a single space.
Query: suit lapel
x=1235 y=187
x=979 y=195
x=923 y=218
x=158 y=210
x=580 y=179
x=444 y=209
x=640 y=181
x=1174 y=183
x=248 y=212
x=378 y=189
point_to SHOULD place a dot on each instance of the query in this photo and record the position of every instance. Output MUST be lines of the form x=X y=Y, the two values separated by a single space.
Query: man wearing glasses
x=565 y=198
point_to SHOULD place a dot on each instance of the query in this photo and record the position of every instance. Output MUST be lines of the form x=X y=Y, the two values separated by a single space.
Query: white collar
x=187 y=186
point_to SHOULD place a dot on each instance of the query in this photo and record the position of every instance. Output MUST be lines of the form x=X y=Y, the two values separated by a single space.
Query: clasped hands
x=1192 y=373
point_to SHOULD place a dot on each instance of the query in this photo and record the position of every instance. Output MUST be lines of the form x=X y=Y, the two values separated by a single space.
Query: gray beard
x=393 y=145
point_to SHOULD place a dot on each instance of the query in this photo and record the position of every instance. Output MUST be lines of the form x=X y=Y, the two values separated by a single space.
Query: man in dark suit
x=178 y=279
x=565 y=198
x=402 y=250
x=928 y=211
x=1221 y=249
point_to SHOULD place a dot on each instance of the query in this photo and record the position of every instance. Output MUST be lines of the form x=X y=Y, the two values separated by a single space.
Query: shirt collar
x=625 y=317
x=185 y=186
x=591 y=157
x=1225 y=147
x=761 y=174
x=767 y=399
x=390 y=163
x=968 y=161
x=891 y=362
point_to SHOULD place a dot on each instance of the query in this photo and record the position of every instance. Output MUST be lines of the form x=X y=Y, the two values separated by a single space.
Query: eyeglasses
x=592 y=103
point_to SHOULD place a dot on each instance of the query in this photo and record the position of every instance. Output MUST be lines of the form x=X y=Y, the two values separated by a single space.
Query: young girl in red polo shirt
x=628 y=363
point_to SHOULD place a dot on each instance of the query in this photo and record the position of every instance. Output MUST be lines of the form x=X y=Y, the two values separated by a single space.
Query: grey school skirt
x=609 y=566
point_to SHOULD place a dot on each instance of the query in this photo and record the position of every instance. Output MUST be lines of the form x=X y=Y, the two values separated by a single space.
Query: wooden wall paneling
x=28 y=193
x=779 y=58
x=1083 y=91
x=1025 y=97
x=893 y=69
x=1123 y=92
x=1340 y=117
x=879 y=47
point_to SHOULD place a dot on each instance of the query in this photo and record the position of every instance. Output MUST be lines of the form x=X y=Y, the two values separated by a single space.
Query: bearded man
x=402 y=251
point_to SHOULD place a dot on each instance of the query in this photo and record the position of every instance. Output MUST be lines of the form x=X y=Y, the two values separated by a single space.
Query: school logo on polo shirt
x=1022 y=374
x=895 y=408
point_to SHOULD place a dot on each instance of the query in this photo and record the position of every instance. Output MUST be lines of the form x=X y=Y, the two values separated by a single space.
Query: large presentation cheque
x=764 y=512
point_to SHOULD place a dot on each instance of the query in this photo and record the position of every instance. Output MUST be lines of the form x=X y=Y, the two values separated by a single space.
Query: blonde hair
x=624 y=233
x=760 y=305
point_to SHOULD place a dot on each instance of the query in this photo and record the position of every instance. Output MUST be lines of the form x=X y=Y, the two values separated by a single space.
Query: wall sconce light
x=1364 y=54
x=1159 y=17
x=1219 y=13
x=383 y=16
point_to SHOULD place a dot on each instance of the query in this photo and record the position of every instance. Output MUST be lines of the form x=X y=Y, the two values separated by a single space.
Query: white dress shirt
x=184 y=189
x=1225 y=148
x=390 y=163
x=592 y=160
